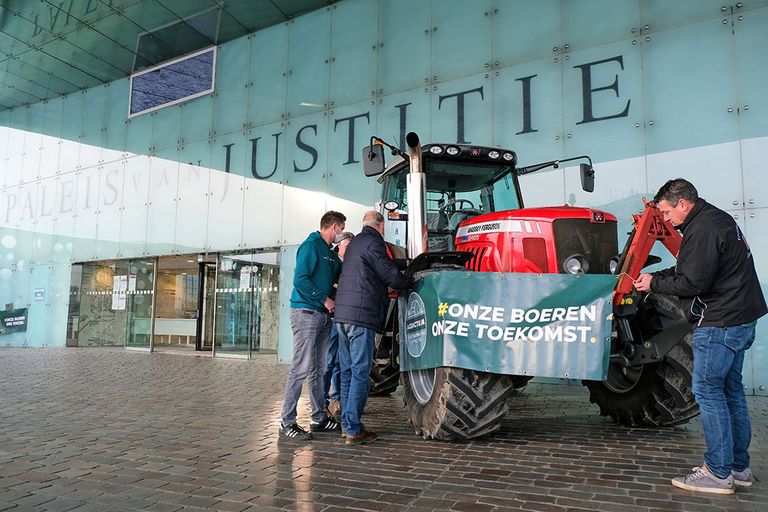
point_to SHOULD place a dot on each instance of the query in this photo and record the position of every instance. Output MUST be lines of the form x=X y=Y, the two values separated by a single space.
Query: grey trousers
x=311 y=331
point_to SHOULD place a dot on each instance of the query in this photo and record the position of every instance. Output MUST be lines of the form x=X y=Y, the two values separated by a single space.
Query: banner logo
x=415 y=326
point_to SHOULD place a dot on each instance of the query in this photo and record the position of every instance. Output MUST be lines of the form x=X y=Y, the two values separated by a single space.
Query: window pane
x=173 y=82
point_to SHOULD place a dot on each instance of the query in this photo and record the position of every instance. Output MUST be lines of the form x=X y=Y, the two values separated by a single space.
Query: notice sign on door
x=245 y=278
x=119 y=288
x=13 y=320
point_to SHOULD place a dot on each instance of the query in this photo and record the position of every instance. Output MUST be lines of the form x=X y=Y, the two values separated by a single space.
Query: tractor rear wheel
x=454 y=403
x=385 y=375
x=384 y=378
x=654 y=394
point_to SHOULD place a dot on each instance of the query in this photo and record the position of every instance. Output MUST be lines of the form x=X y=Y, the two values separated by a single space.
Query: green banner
x=545 y=325
x=13 y=320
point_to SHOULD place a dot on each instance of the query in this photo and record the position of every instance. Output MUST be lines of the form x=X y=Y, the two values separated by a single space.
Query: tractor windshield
x=456 y=191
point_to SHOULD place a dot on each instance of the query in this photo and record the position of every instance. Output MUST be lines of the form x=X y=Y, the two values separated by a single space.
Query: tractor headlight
x=452 y=150
x=493 y=154
x=508 y=157
x=576 y=264
x=436 y=150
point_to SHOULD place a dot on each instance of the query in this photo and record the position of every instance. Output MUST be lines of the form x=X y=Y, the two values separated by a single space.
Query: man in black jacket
x=361 y=309
x=715 y=276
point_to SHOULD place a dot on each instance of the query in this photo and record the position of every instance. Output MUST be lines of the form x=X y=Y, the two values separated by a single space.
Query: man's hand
x=643 y=283
x=329 y=305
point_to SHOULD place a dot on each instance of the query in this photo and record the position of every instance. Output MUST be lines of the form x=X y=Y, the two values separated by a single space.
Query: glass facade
x=649 y=89
x=227 y=304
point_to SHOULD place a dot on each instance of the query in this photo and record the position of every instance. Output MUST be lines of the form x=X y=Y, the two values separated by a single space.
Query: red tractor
x=460 y=212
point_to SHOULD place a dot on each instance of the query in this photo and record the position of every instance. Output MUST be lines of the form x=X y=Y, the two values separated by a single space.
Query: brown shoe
x=334 y=410
x=365 y=436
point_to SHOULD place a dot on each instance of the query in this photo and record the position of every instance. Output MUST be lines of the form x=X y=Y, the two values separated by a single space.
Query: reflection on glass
x=139 y=295
x=73 y=315
x=177 y=39
x=97 y=312
x=171 y=83
x=208 y=294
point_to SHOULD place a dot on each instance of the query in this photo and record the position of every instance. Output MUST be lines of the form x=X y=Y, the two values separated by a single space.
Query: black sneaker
x=294 y=431
x=327 y=425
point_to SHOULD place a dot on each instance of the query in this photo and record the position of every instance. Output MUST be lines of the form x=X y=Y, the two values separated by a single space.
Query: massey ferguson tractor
x=505 y=293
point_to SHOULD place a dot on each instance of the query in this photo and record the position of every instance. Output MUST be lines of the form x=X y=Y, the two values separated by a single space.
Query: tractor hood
x=526 y=220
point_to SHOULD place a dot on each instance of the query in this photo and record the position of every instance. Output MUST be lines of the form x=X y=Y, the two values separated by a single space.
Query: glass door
x=139 y=294
x=247 y=304
x=234 y=305
x=207 y=301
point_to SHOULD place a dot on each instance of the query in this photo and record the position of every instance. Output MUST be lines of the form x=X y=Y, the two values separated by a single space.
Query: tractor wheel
x=385 y=376
x=383 y=379
x=454 y=403
x=654 y=394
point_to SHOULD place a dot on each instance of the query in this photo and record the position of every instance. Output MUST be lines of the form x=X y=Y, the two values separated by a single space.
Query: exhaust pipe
x=417 y=199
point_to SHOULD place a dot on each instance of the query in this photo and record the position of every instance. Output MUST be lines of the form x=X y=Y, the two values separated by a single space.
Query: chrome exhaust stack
x=417 y=199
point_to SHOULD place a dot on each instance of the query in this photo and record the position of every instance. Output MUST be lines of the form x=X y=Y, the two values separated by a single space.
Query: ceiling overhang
x=50 y=48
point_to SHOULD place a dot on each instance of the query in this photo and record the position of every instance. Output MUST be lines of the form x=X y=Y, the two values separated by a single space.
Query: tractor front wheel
x=454 y=403
x=655 y=394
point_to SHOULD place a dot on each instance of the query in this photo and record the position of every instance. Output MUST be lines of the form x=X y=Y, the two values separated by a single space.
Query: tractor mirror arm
x=395 y=150
x=521 y=171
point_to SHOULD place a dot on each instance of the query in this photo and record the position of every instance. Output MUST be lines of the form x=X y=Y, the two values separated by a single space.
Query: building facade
x=161 y=161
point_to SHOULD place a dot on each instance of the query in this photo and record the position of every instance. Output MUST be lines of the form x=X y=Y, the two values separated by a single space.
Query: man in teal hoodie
x=317 y=269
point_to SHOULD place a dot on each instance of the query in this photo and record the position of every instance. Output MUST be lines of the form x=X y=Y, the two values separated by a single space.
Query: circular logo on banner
x=415 y=326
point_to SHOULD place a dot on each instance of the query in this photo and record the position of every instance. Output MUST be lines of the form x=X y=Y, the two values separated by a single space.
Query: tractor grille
x=476 y=261
x=597 y=242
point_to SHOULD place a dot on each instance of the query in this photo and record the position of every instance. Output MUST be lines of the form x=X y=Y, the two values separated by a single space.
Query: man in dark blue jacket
x=715 y=277
x=317 y=269
x=361 y=310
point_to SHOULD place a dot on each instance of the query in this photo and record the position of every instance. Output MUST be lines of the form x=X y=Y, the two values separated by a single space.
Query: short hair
x=373 y=219
x=675 y=190
x=329 y=218
x=347 y=235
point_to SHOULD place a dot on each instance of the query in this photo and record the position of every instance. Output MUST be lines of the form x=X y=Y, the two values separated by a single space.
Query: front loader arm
x=649 y=227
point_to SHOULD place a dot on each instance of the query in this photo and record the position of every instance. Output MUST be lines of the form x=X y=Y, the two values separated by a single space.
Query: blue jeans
x=355 y=357
x=718 y=356
x=311 y=329
x=332 y=380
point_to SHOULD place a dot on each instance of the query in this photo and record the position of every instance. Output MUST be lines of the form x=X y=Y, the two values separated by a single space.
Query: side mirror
x=587 y=177
x=373 y=160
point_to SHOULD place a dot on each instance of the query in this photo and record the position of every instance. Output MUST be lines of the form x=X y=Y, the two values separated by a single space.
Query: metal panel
x=676 y=63
x=309 y=56
x=755 y=223
x=404 y=50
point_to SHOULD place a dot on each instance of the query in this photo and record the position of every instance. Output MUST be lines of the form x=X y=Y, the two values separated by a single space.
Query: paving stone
x=61 y=505
x=169 y=433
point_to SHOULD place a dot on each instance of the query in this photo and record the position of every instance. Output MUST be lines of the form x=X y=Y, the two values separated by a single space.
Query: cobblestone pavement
x=106 y=429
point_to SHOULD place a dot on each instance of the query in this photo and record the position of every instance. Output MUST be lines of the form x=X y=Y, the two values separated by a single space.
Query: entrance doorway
x=176 y=308
x=222 y=304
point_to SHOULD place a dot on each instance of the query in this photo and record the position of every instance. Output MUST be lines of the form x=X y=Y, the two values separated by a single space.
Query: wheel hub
x=422 y=384
x=623 y=378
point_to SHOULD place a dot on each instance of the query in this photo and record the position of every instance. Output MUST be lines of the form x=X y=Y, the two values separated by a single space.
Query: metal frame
x=156 y=259
x=214 y=49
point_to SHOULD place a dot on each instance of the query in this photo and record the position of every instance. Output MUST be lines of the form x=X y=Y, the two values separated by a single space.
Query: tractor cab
x=453 y=185
x=462 y=182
